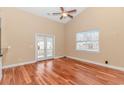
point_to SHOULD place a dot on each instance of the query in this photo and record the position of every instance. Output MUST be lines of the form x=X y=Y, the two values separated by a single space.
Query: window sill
x=90 y=51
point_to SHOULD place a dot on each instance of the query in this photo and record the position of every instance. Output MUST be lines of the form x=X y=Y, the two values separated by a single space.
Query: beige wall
x=18 y=31
x=19 y=28
x=110 y=21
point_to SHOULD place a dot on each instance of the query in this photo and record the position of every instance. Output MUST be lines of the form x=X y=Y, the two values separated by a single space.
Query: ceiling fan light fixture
x=64 y=14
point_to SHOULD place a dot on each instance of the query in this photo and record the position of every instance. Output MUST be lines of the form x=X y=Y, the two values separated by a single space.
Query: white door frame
x=36 y=50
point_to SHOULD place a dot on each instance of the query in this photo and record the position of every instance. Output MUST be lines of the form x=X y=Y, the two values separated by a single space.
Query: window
x=88 y=41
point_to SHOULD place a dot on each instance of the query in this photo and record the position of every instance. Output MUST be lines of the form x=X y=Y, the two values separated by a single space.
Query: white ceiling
x=43 y=11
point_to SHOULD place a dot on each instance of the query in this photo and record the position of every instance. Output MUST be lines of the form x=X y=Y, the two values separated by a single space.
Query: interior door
x=45 y=47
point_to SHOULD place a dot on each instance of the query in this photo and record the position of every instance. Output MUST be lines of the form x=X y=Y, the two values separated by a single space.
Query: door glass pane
x=49 y=47
x=49 y=43
x=49 y=53
x=41 y=47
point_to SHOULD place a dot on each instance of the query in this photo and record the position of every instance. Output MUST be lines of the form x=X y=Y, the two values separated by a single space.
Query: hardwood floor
x=63 y=71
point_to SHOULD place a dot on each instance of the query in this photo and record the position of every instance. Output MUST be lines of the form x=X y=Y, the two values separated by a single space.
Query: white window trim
x=88 y=50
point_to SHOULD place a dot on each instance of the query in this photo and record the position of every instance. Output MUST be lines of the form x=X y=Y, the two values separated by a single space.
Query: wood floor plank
x=62 y=71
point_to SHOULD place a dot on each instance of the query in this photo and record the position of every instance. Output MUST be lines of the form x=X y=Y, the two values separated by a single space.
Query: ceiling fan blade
x=70 y=16
x=56 y=13
x=62 y=9
x=61 y=17
x=71 y=11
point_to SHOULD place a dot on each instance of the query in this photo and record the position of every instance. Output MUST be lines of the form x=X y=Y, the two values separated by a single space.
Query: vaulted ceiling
x=46 y=11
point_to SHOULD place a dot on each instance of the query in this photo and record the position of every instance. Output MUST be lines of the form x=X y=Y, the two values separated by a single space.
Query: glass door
x=45 y=47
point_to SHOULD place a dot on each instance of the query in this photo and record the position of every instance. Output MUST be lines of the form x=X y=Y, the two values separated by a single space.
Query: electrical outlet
x=106 y=62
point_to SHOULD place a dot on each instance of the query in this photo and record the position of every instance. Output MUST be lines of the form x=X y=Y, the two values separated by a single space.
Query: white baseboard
x=97 y=63
x=58 y=57
x=88 y=61
x=18 y=64
x=25 y=63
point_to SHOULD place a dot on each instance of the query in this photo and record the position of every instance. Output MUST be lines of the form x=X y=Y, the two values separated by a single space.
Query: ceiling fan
x=65 y=13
